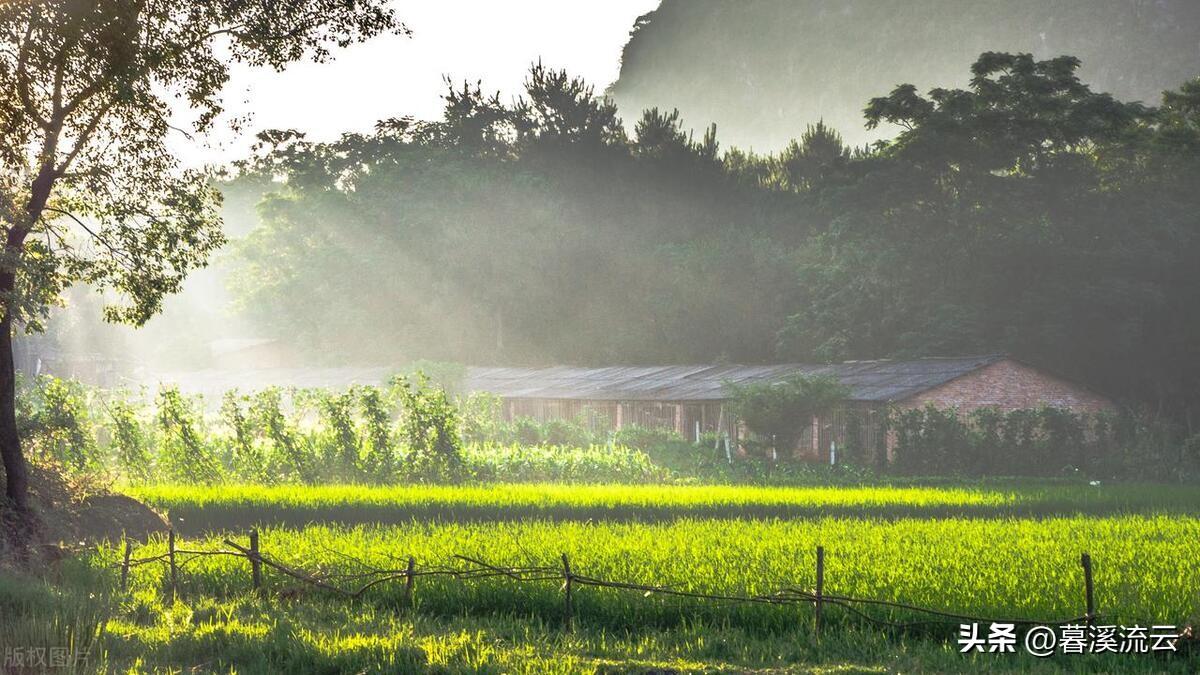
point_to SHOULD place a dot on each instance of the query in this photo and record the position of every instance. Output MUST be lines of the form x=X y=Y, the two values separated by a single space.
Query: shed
x=690 y=399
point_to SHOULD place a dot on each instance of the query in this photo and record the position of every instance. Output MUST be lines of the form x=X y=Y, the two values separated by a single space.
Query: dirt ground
x=69 y=515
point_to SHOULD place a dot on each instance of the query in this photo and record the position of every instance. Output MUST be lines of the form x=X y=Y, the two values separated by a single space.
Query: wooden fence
x=470 y=568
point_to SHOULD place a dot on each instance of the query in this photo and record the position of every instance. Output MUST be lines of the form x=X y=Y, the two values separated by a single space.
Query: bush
x=244 y=456
x=378 y=458
x=129 y=444
x=587 y=464
x=776 y=413
x=414 y=431
x=54 y=423
x=430 y=428
x=288 y=455
x=1046 y=442
x=336 y=437
x=183 y=456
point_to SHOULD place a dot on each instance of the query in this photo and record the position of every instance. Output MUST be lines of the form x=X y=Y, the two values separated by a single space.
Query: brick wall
x=1009 y=385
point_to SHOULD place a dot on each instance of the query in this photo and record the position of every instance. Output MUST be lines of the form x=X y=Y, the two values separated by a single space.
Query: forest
x=1025 y=213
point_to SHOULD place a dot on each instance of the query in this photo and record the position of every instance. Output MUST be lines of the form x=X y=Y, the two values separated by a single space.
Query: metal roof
x=883 y=380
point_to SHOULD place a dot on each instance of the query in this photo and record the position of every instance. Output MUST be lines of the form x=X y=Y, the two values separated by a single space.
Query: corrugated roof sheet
x=884 y=380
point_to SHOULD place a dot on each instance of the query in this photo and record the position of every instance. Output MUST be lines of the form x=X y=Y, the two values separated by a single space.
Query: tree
x=778 y=412
x=89 y=192
x=1024 y=214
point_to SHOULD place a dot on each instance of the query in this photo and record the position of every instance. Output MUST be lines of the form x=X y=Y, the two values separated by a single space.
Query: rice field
x=1000 y=551
x=1144 y=566
x=196 y=509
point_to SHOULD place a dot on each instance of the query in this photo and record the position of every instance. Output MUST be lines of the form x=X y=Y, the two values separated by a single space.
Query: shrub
x=1048 y=442
x=288 y=456
x=129 y=443
x=378 y=459
x=430 y=428
x=182 y=454
x=778 y=412
x=337 y=438
x=576 y=464
x=245 y=456
x=54 y=423
x=480 y=413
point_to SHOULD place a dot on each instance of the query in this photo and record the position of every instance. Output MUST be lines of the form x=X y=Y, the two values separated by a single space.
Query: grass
x=246 y=634
x=994 y=550
x=196 y=509
x=992 y=568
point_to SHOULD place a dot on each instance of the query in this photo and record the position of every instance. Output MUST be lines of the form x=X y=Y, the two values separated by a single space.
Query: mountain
x=764 y=69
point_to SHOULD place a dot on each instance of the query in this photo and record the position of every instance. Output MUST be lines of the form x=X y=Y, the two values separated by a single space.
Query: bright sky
x=393 y=76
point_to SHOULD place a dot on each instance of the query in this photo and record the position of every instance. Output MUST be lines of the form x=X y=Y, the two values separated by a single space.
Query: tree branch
x=22 y=76
x=83 y=137
x=123 y=255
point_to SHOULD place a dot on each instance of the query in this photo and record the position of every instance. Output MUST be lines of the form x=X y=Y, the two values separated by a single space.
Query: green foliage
x=337 y=438
x=287 y=457
x=1006 y=567
x=1037 y=442
x=237 y=506
x=478 y=230
x=183 y=455
x=429 y=424
x=379 y=448
x=778 y=412
x=88 y=110
x=980 y=566
x=130 y=444
x=55 y=422
x=998 y=220
x=481 y=417
x=645 y=438
x=414 y=432
x=520 y=463
x=246 y=459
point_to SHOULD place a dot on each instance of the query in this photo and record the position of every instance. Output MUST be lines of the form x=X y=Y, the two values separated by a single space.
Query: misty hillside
x=762 y=70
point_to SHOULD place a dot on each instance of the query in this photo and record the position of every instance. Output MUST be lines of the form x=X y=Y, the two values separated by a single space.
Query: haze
x=392 y=76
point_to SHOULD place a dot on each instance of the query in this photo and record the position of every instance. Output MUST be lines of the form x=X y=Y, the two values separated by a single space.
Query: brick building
x=691 y=399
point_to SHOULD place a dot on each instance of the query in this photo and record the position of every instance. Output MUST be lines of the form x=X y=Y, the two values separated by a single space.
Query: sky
x=394 y=76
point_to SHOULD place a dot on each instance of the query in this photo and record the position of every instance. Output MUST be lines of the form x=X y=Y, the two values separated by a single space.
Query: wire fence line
x=473 y=569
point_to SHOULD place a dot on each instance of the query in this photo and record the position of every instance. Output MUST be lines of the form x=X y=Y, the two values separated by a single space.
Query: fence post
x=171 y=558
x=1088 y=588
x=568 y=609
x=255 y=562
x=409 y=581
x=820 y=589
x=125 y=564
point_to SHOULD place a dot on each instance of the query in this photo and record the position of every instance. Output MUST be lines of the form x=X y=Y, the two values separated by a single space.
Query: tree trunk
x=15 y=470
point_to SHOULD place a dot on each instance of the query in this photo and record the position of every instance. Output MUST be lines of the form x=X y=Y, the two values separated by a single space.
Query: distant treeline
x=756 y=68
x=1024 y=214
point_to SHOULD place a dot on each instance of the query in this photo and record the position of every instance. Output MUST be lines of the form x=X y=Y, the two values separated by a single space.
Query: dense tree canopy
x=1025 y=213
x=515 y=233
x=89 y=191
